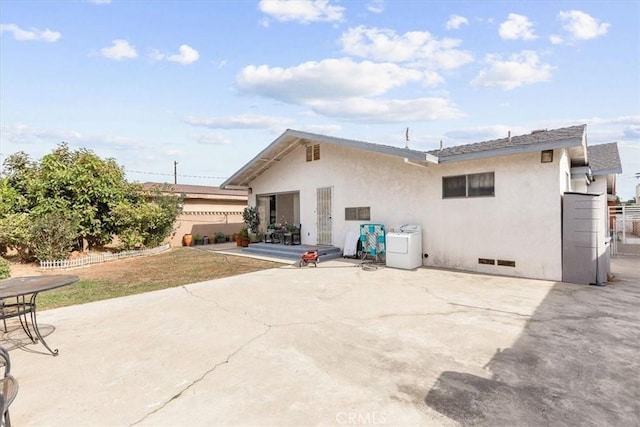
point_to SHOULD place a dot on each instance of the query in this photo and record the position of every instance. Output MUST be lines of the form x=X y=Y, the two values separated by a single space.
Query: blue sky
x=211 y=83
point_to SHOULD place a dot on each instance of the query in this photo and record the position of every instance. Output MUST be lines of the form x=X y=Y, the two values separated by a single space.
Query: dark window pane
x=350 y=214
x=364 y=214
x=481 y=184
x=454 y=186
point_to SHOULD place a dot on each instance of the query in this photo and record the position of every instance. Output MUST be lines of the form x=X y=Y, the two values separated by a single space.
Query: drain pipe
x=597 y=281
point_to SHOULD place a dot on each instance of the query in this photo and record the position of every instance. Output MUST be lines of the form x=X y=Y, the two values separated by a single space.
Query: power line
x=170 y=174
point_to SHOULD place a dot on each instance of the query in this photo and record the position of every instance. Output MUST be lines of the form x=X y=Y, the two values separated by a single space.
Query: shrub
x=15 y=234
x=219 y=237
x=5 y=269
x=53 y=236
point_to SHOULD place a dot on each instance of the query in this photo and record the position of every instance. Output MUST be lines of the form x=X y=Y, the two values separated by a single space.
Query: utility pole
x=175 y=172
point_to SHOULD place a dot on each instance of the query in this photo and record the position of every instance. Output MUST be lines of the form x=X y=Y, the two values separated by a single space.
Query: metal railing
x=98 y=259
x=624 y=224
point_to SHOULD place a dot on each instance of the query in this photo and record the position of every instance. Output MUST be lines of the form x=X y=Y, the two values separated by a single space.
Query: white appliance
x=404 y=247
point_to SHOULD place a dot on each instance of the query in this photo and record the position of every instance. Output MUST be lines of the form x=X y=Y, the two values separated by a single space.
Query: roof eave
x=507 y=151
x=611 y=171
x=237 y=181
x=241 y=180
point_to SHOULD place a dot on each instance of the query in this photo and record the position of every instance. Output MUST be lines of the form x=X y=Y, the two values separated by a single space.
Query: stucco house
x=497 y=200
x=206 y=210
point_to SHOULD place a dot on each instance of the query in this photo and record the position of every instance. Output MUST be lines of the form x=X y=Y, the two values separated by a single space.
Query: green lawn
x=178 y=266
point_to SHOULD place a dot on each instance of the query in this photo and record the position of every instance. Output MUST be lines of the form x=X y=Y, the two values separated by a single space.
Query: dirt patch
x=21 y=270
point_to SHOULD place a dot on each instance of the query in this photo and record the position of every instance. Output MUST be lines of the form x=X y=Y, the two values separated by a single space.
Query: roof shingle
x=604 y=159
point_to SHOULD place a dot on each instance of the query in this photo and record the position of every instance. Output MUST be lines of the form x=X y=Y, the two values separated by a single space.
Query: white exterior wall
x=522 y=223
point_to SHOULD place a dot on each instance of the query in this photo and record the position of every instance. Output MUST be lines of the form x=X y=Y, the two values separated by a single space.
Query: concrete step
x=293 y=252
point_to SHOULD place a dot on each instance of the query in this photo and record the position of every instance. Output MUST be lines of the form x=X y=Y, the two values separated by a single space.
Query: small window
x=357 y=214
x=454 y=186
x=473 y=185
x=313 y=152
x=480 y=184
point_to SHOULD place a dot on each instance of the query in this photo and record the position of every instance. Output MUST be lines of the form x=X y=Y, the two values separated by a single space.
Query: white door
x=323 y=210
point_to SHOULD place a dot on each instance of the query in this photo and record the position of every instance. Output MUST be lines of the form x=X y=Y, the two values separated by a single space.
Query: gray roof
x=604 y=159
x=574 y=136
x=541 y=139
x=291 y=139
x=193 y=190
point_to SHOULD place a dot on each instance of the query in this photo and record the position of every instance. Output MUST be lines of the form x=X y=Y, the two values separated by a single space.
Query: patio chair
x=292 y=235
x=295 y=235
x=9 y=388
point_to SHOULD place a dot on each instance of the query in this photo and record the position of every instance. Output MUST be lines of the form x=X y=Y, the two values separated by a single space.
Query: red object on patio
x=310 y=257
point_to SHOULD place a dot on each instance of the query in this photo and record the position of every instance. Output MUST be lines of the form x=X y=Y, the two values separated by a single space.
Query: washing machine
x=404 y=247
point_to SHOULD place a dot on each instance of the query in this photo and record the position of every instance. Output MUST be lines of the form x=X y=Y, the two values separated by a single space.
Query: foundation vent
x=506 y=263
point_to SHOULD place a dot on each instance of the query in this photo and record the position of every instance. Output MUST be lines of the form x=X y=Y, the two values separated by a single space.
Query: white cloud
x=455 y=21
x=375 y=6
x=598 y=122
x=239 y=122
x=348 y=90
x=31 y=34
x=156 y=55
x=632 y=132
x=386 y=45
x=303 y=11
x=484 y=133
x=582 y=26
x=517 y=27
x=24 y=134
x=323 y=129
x=100 y=1
x=388 y=110
x=519 y=69
x=327 y=79
x=119 y=50
x=621 y=120
x=211 y=138
x=186 y=55
x=555 y=39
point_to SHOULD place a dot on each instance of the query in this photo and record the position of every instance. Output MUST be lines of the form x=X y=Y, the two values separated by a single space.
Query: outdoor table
x=26 y=290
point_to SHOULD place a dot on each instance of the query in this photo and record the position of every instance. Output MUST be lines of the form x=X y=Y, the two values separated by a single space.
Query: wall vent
x=505 y=263
x=486 y=261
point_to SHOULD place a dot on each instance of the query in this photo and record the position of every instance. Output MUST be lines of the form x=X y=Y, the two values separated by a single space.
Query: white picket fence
x=98 y=259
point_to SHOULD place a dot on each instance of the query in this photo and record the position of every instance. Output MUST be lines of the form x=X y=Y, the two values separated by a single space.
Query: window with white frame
x=472 y=185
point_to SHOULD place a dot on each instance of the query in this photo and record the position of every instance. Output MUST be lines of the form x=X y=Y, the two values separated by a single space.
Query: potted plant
x=219 y=237
x=198 y=239
x=251 y=219
x=243 y=238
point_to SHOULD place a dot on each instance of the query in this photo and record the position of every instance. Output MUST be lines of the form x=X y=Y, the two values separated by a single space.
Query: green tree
x=14 y=234
x=78 y=183
x=149 y=220
x=76 y=193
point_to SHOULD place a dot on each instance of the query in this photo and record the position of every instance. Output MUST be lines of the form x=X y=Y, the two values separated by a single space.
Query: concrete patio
x=340 y=345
